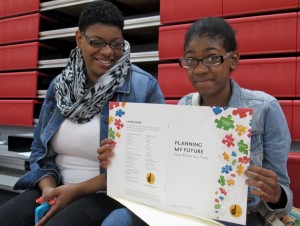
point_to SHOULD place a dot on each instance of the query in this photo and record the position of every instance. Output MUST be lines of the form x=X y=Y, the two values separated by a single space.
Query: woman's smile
x=104 y=63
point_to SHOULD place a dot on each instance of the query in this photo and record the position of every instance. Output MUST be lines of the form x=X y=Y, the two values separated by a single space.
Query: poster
x=181 y=159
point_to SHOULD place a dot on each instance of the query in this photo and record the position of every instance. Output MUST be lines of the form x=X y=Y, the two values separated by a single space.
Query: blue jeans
x=122 y=217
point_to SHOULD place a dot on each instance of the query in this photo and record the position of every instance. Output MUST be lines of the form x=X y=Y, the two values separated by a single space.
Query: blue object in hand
x=40 y=211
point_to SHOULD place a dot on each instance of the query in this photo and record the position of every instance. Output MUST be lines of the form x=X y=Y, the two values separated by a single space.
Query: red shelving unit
x=287 y=108
x=17 y=112
x=173 y=81
x=298 y=78
x=17 y=7
x=177 y=11
x=21 y=29
x=19 y=56
x=256 y=74
x=2 y=11
x=267 y=34
x=20 y=84
x=296 y=120
x=2 y=31
x=168 y=101
x=1 y=57
x=293 y=164
x=170 y=43
x=238 y=7
x=298 y=33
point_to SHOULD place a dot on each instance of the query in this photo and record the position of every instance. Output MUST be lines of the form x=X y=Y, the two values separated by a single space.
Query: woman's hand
x=105 y=152
x=266 y=182
x=63 y=196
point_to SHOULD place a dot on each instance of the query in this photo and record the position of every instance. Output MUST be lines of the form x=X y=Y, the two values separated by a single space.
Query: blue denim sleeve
x=41 y=167
x=276 y=145
x=155 y=94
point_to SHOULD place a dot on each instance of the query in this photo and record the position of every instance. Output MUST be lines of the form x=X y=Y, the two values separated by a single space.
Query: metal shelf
x=74 y=7
x=14 y=160
x=149 y=21
x=144 y=56
x=134 y=57
x=129 y=24
x=59 y=33
x=58 y=4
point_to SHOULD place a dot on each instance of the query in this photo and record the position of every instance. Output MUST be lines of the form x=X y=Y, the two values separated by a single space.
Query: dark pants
x=88 y=210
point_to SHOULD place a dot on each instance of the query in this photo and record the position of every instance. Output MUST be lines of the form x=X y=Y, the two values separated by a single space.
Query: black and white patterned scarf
x=79 y=102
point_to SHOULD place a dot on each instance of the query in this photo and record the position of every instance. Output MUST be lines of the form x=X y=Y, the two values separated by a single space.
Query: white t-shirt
x=196 y=99
x=76 y=147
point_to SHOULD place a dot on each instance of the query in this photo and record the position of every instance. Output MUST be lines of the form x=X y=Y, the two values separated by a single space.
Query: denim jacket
x=139 y=86
x=270 y=141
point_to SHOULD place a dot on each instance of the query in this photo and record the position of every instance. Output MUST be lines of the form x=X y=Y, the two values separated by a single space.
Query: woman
x=63 y=159
x=210 y=55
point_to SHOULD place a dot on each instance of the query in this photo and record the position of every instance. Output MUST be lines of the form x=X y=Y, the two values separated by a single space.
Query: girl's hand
x=105 y=152
x=63 y=196
x=266 y=182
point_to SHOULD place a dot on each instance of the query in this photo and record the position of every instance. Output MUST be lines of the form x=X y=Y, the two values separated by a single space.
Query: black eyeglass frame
x=91 y=41
x=222 y=57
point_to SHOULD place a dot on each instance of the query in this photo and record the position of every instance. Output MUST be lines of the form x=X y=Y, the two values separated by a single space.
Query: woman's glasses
x=208 y=61
x=99 y=43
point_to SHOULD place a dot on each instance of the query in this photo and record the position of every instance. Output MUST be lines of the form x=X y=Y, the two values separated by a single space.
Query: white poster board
x=181 y=159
